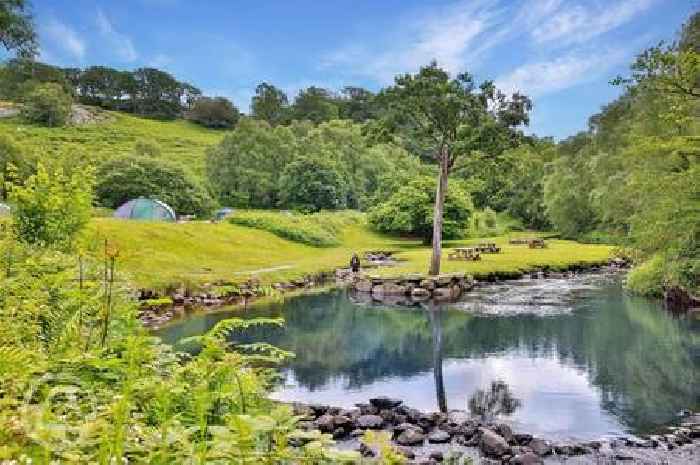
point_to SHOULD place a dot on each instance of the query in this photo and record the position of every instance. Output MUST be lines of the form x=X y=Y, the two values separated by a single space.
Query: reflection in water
x=497 y=401
x=601 y=362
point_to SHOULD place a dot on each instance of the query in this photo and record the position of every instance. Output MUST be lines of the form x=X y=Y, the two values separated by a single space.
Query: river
x=563 y=358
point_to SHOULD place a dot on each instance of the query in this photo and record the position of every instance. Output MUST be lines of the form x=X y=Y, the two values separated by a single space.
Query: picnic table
x=488 y=247
x=464 y=253
x=536 y=242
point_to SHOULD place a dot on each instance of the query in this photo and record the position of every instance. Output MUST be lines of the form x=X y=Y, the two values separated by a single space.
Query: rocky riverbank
x=456 y=437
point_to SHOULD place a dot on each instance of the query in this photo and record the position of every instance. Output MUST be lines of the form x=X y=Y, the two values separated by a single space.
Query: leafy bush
x=47 y=104
x=126 y=178
x=16 y=164
x=52 y=207
x=410 y=211
x=311 y=185
x=318 y=229
x=217 y=112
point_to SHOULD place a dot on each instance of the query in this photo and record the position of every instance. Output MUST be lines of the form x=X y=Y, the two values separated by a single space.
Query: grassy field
x=181 y=142
x=161 y=254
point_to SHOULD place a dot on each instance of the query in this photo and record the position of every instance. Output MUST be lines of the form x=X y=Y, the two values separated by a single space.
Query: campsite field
x=163 y=254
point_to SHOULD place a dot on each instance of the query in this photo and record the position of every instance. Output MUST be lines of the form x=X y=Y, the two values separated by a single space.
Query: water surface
x=562 y=358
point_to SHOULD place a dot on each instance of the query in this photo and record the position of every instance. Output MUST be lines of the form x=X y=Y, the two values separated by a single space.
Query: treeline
x=633 y=177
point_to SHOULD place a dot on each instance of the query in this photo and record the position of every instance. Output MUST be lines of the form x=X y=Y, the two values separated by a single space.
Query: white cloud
x=453 y=36
x=121 y=44
x=577 y=23
x=545 y=77
x=64 y=37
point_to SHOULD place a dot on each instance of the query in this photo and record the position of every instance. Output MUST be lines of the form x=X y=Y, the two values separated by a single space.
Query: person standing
x=355 y=263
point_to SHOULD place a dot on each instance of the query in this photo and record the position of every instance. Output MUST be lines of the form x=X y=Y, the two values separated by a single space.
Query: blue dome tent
x=145 y=209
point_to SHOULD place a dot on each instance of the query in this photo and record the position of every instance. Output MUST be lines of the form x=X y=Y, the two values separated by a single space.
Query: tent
x=5 y=210
x=145 y=209
x=223 y=213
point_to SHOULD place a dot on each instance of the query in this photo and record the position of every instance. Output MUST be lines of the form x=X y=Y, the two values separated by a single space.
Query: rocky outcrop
x=414 y=288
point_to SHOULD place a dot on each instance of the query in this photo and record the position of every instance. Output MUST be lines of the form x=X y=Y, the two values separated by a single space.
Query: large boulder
x=507 y=433
x=492 y=443
x=439 y=437
x=528 y=458
x=384 y=402
x=540 y=446
x=325 y=423
x=442 y=293
x=369 y=422
x=410 y=437
x=389 y=289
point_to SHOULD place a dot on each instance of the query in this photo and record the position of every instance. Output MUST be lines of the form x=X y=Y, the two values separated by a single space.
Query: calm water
x=561 y=358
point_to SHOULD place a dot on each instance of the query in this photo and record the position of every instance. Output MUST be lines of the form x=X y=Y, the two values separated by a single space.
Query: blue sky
x=562 y=53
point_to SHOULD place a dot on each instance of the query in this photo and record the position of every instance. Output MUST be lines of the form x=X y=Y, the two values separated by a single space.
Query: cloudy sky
x=562 y=53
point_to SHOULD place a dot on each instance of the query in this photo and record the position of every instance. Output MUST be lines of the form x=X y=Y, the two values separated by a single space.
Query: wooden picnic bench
x=535 y=243
x=488 y=247
x=464 y=253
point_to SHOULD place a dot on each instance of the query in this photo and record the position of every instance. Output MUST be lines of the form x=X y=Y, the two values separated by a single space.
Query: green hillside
x=181 y=142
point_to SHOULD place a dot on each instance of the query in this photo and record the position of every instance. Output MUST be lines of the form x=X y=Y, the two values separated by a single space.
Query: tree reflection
x=435 y=314
x=496 y=401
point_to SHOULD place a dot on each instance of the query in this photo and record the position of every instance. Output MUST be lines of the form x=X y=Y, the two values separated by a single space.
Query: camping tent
x=222 y=213
x=145 y=209
x=5 y=210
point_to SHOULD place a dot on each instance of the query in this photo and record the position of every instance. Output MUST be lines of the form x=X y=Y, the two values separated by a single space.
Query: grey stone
x=410 y=437
x=540 y=447
x=370 y=422
x=383 y=402
x=492 y=444
x=325 y=423
x=528 y=458
x=406 y=452
x=439 y=437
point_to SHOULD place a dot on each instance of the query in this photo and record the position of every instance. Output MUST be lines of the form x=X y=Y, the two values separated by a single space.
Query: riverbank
x=432 y=437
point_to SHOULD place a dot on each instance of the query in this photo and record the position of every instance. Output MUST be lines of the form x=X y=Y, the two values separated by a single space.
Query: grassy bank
x=161 y=254
x=181 y=142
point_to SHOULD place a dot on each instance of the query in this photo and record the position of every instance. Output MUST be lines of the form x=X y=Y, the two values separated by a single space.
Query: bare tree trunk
x=438 y=212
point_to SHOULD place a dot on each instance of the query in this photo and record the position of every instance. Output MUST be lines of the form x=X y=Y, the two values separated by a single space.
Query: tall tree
x=269 y=104
x=445 y=119
x=315 y=104
x=17 y=28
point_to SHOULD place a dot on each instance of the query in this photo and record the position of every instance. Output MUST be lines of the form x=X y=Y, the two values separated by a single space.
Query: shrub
x=312 y=184
x=47 y=104
x=217 y=112
x=52 y=207
x=318 y=229
x=126 y=178
x=410 y=211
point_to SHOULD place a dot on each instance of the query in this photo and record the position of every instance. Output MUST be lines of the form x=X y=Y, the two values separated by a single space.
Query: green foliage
x=17 y=28
x=217 y=112
x=127 y=178
x=52 y=207
x=269 y=104
x=312 y=184
x=315 y=104
x=318 y=229
x=16 y=164
x=409 y=211
x=47 y=104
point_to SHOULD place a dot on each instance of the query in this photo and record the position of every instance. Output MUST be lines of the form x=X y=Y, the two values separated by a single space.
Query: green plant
x=52 y=207
x=47 y=104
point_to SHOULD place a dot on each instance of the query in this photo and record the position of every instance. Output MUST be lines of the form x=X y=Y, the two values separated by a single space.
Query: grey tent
x=145 y=209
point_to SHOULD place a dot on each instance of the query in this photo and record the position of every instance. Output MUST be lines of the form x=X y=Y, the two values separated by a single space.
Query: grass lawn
x=181 y=142
x=161 y=254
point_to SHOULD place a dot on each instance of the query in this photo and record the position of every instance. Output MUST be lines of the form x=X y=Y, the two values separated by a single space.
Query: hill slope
x=182 y=142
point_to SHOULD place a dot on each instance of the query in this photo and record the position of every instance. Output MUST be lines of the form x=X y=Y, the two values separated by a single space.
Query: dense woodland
x=70 y=348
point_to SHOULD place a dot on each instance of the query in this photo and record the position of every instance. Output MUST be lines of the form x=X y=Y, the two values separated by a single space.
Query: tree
x=410 y=211
x=315 y=104
x=52 y=207
x=312 y=184
x=217 y=112
x=16 y=165
x=156 y=94
x=17 y=28
x=269 y=104
x=446 y=119
x=47 y=104
x=356 y=104
x=20 y=76
x=127 y=178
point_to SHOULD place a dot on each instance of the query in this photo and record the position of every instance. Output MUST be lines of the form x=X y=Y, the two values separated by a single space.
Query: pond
x=562 y=358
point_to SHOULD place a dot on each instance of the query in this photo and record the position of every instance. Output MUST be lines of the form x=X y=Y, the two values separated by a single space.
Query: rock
x=318 y=409
x=339 y=433
x=522 y=439
x=420 y=293
x=457 y=417
x=428 y=284
x=325 y=423
x=356 y=433
x=370 y=422
x=505 y=431
x=492 y=444
x=389 y=289
x=437 y=456
x=363 y=286
x=341 y=421
x=366 y=451
x=540 y=447
x=528 y=458
x=410 y=437
x=439 y=437
x=385 y=402
x=405 y=451
x=442 y=293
